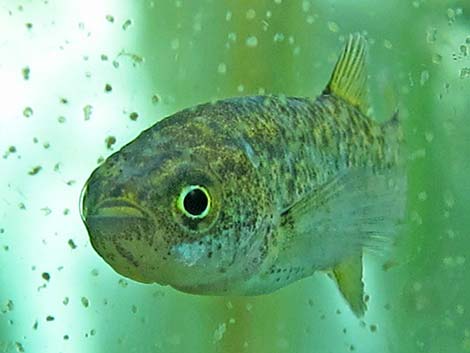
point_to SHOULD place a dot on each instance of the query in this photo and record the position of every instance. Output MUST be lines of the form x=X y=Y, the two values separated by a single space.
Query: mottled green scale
x=284 y=186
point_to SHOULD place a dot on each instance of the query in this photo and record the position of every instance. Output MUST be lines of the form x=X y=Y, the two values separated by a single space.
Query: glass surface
x=79 y=79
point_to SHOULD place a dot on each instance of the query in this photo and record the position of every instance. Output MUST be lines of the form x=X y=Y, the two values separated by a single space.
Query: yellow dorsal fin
x=348 y=275
x=349 y=77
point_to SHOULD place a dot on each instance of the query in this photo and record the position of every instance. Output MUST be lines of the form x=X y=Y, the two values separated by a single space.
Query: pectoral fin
x=348 y=276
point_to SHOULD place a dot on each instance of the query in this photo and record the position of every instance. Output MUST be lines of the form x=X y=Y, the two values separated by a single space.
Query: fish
x=246 y=195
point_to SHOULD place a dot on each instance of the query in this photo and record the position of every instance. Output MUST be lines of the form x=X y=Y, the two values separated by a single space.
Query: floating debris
x=50 y=318
x=46 y=276
x=126 y=24
x=72 y=244
x=108 y=88
x=136 y=59
x=87 y=111
x=133 y=116
x=27 y=112
x=25 y=71
x=155 y=99
x=85 y=302
x=46 y=210
x=110 y=141
x=109 y=18
x=35 y=170
x=7 y=306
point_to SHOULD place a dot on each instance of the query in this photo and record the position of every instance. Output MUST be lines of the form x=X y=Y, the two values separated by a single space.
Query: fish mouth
x=123 y=234
x=117 y=208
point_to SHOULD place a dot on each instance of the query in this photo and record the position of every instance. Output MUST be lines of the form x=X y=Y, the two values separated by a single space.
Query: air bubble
x=333 y=26
x=252 y=41
x=222 y=68
x=436 y=59
x=250 y=14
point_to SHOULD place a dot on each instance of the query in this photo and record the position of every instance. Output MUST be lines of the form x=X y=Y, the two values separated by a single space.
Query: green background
x=58 y=295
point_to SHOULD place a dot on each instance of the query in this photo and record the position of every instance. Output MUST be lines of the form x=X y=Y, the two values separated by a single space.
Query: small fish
x=246 y=195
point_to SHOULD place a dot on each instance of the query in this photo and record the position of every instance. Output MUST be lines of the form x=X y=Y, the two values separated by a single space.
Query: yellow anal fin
x=348 y=275
x=349 y=77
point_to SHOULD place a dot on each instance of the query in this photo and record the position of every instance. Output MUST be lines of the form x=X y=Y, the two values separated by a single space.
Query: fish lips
x=123 y=235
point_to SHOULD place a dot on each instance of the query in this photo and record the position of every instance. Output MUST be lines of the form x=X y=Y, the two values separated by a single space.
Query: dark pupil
x=195 y=202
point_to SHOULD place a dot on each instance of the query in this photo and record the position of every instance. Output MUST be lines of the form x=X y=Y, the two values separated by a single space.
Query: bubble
x=333 y=26
x=252 y=41
x=250 y=14
x=306 y=6
x=465 y=72
x=436 y=59
x=222 y=68
x=279 y=37
x=175 y=44
x=424 y=77
x=388 y=44
x=219 y=332
x=463 y=50
x=431 y=35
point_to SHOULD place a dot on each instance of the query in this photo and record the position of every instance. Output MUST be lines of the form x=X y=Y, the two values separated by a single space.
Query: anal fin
x=348 y=276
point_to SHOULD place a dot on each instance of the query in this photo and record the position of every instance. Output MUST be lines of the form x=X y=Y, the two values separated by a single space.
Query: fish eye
x=194 y=201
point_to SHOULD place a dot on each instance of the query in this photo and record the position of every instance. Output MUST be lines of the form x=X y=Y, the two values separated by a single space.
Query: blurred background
x=78 y=79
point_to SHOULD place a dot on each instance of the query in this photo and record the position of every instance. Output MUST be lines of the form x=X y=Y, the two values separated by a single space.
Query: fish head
x=183 y=207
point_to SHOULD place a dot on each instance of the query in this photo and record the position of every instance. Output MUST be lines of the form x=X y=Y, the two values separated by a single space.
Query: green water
x=79 y=79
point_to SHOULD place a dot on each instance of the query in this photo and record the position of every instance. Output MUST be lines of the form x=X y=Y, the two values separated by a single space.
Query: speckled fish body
x=286 y=186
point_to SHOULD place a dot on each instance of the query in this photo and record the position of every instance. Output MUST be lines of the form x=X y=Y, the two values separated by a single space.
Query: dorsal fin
x=349 y=77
